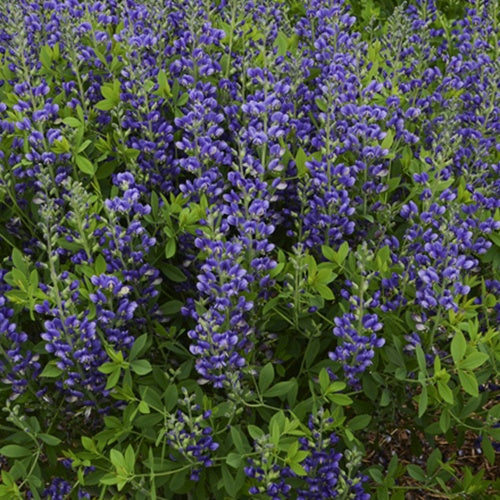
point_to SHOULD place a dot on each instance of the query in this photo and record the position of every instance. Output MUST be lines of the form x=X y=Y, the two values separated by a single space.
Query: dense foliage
x=249 y=248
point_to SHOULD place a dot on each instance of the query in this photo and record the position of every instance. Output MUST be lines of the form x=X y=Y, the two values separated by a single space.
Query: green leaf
x=343 y=252
x=49 y=439
x=388 y=140
x=46 y=56
x=324 y=380
x=183 y=99
x=359 y=422
x=163 y=84
x=109 y=478
x=15 y=451
x=376 y=474
x=170 y=248
x=445 y=392
x=228 y=481
x=270 y=304
x=141 y=366
x=117 y=458
x=108 y=367
x=51 y=371
x=100 y=265
x=473 y=360
x=85 y=165
x=151 y=397
x=130 y=459
x=173 y=273
x=84 y=145
x=19 y=262
x=324 y=291
x=234 y=460
x=113 y=378
x=340 y=399
x=469 y=383
x=488 y=450
x=72 y=122
x=458 y=347
x=172 y=307
x=105 y=105
x=336 y=386
x=298 y=469
x=433 y=461
x=322 y=104
x=416 y=472
x=300 y=161
x=239 y=440
x=88 y=444
x=280 y=389
x=444 y=420
x=312 y=351
x=255 y=432
x=170 y=397
x=385 y=399
x=138 y=346
x=110 y=92
x=329 y=253
x=282 y=43
x=421 y=359
x=423 y=399
x=393 y=466
x=293 y=449
x=266 y=377
x=143 y=407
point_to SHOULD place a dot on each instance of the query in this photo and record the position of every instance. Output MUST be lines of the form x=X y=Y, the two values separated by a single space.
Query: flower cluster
x=323 y=475
x=188 y=434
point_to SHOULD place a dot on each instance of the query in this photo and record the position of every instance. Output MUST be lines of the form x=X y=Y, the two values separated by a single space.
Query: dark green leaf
x=266 y=377
x=234 y=460
x=174 y=273
x=170 y=397
x=280 y=389
x=138 y=346
x=239 y=440
x=416 y=472
x=172 y=307
x=359 y=422
x=488 y=450
x=444 y=420
x=229 y=484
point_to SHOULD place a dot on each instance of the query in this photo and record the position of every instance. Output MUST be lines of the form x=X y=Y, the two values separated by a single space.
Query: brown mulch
x=399 y=442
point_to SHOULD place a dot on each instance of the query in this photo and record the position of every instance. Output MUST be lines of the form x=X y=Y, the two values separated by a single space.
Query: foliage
x=241 y=242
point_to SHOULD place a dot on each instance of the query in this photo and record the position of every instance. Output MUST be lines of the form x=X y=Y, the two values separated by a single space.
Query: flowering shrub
x=249 y=249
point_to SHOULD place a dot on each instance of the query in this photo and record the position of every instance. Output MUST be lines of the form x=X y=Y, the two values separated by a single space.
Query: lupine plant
x=249 y=249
